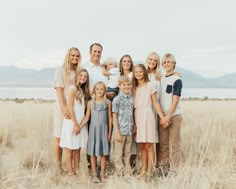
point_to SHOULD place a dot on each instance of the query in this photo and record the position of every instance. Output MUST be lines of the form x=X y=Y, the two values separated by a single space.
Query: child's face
x=74 y=57
x=152 y=62
x=138 y=73
x=83 y=77
x=99 y=91
x=110 y=65
x=168 y=65
x=125 y=87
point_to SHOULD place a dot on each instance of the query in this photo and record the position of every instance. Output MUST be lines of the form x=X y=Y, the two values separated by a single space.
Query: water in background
x=50 y=93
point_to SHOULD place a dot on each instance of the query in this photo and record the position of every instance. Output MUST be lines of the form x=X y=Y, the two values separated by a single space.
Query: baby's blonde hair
x=110 y=60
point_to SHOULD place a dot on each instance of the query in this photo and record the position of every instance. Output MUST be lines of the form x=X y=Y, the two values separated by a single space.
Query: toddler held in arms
x=111 y=70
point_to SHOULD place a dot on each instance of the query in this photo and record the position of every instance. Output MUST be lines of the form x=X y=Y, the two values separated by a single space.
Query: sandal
x=70 y=173
x=95 y=179
x=142 y=175
x=103 y=178
x=77 y=172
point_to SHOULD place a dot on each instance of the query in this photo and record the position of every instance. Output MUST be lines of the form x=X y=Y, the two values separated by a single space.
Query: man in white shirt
x=94 y=68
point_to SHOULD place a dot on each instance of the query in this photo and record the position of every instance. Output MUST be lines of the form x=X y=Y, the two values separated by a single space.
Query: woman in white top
x=126 y=65
x=64 y=77
x=152 y=64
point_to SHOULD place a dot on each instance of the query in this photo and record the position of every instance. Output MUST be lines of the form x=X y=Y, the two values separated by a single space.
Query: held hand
x=76 y=129
x=165 y=122
x=110 y=95
x=118 y=137
x=66 y=113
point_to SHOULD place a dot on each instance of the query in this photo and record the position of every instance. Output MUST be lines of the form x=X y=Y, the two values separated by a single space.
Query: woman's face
x=152 y=62
x=126 y=63
x=74 y=57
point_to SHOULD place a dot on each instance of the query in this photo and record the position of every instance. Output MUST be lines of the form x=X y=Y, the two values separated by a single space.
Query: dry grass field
x=208 y=149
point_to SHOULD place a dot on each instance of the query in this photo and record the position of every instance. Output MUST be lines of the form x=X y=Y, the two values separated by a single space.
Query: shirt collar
x=124 y=95
x=91 y=65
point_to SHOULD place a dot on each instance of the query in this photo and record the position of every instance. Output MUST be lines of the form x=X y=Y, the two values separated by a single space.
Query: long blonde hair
x=94 y=90
x=82 y=90
x=69 y=73
x=157 y=72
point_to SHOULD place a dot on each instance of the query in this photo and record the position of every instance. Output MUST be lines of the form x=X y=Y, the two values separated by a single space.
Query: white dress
x=68 y=138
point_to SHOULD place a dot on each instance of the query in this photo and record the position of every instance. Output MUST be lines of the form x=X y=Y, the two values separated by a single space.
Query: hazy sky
x=201 y=34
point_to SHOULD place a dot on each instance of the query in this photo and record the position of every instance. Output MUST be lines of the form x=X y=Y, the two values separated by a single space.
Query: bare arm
x=62 y=102
x=86 y=117
x=116 y=128
x=110 y=95
x=175 y=100
x=134 y=124
x=157 y=105
x=71 y=98
x=109 y=121
x=105 y=72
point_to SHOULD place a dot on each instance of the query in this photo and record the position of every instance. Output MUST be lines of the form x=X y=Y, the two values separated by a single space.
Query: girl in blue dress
x=100 y=128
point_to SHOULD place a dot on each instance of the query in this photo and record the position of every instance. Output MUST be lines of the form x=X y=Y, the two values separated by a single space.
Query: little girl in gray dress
x=99 y=108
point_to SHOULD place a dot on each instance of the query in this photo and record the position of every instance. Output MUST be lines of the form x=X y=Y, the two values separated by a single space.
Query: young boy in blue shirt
x=123 y=125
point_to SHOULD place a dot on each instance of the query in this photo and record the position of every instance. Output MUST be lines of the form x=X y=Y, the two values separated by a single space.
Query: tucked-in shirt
x=123 y=105
x=170 y=85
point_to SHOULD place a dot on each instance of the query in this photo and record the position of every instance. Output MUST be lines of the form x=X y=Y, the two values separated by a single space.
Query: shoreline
x=39 y=100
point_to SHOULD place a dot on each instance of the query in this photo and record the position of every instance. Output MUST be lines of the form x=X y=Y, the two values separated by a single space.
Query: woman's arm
x=62 y=102
x=71 y=98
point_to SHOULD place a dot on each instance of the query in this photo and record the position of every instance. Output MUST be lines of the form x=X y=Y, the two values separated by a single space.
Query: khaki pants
x=122 y=152
x=170 y=142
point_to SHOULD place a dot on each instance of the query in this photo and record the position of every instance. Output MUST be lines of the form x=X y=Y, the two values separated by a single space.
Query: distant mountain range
x=11 y=76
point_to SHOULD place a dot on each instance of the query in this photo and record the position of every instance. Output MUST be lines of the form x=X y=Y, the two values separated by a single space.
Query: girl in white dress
x=152 y=64
x=74 y=137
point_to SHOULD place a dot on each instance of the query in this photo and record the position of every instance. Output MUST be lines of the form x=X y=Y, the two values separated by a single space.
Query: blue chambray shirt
x=123 y=105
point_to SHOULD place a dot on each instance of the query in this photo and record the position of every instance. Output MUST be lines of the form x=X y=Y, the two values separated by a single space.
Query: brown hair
x=135 y=81
x=97 y=44
x=120 y=65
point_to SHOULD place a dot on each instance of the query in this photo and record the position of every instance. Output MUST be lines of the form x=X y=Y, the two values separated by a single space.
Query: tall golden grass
x=208 y=149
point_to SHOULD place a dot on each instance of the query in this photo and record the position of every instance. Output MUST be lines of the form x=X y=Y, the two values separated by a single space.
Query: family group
x=118 y=111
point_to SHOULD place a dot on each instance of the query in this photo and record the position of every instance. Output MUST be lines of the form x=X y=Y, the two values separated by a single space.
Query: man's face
x=95 y=54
